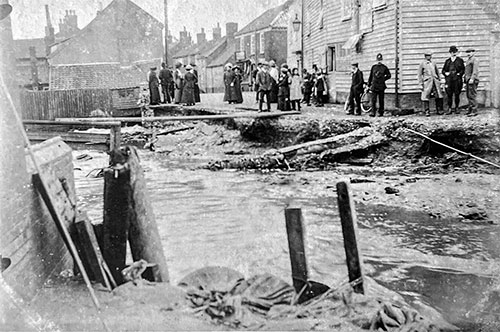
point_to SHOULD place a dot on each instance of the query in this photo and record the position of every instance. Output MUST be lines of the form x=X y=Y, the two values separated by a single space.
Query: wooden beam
x=144 y=236
x=263 y=115
x=108 y=122
x=349 y=229
x=295 y=232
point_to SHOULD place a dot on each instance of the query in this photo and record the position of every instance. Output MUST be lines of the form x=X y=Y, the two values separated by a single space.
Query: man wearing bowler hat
x=453 y=71
x=376 y=82
x=356 y=90
x=471 y=77
x=429 y=80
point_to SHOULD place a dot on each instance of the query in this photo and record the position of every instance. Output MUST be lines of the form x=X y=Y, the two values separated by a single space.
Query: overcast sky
x=28 y=16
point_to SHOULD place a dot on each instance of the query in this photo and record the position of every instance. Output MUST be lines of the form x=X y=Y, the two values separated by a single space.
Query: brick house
x=336 y=33
x=122 y=32
x=265 y=38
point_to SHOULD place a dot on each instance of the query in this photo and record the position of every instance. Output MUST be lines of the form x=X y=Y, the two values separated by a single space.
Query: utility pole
x=165 y=9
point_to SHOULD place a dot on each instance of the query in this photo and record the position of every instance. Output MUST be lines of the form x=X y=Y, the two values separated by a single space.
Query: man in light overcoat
x=430 y=84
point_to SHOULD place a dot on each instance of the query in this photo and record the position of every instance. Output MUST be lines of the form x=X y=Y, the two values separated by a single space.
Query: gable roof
x=270 y=18
x=22 y=47
x=205 y=50
x=115 y=5
x=226 y=56
x=107 y=75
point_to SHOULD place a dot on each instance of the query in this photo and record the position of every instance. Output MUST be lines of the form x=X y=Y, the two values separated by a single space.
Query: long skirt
x=178 y=95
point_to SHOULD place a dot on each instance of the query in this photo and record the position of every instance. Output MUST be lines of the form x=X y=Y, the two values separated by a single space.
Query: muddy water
x=237 y=220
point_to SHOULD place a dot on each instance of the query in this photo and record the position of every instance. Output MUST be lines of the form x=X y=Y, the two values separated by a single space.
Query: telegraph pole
x=165 y=9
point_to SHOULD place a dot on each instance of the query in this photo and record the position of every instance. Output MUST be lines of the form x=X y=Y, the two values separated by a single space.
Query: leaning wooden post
x=349 y=228
x=115 y=137
x=116 y=224
x=295 y=232
x=144 y=237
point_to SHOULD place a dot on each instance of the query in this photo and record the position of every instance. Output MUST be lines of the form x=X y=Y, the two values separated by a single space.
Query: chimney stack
x=231 y=29
x=217 y=32
x=201 y=37
x=50 y=36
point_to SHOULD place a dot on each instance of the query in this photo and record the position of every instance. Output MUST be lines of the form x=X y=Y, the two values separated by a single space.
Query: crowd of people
x=179 y=85
x=288 y=88
x=277 y=85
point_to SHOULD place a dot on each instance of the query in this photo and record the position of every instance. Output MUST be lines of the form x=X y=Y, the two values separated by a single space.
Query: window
x=346 y=9
x=378 y=4
x=342 y=58
x=330 y=61
x=252 y=44
x=262 y=43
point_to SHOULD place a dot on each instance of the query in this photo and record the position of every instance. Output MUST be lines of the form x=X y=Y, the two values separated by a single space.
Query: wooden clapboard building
x=336 y=33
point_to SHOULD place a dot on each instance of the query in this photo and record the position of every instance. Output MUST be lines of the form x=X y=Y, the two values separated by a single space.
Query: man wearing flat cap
x=356 y=90
x=429 y=81
x=471 y=77
x=453 y=71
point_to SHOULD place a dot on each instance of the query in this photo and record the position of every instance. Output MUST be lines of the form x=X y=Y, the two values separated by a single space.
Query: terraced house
x=338 y=32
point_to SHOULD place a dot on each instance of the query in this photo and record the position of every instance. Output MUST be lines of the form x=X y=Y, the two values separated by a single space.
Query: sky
x=28 y=16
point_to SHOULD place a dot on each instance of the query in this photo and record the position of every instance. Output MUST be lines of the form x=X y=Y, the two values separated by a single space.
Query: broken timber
x=356 y=140
x=253 y=115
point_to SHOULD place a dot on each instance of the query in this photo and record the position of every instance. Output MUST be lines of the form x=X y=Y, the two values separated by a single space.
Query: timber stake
x=349 y=229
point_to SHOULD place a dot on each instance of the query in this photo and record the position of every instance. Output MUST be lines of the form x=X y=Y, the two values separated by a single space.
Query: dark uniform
x=378 y=75
x=356 y=91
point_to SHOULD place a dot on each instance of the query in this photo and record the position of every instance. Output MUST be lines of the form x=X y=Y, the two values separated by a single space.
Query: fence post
x=349 y=228
x=115 y=137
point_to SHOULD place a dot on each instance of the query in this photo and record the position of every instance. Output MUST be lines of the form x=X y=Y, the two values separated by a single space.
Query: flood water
x=237 y=220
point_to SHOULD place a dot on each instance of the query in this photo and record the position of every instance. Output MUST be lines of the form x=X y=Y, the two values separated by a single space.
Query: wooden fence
x=48 y=105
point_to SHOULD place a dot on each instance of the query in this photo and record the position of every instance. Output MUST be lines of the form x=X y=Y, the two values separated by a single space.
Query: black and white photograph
x=250 y=165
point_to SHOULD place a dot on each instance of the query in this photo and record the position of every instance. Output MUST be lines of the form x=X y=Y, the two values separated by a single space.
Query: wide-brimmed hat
x=178 y=65
x=188 y=67
x=427 y=52
x=470 y=50
x=355 y=64
x=265 y=63
x=152 y=68
x=272 y=63
x=453 y=49
x=236 y=67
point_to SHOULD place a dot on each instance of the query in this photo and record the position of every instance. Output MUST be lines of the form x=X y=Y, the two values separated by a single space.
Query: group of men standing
x=179 y=86
x=456 y=72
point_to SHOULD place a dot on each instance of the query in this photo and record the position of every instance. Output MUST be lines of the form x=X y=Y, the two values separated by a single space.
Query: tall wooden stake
x=144 y=237
x=349 y=227
x=295 y=232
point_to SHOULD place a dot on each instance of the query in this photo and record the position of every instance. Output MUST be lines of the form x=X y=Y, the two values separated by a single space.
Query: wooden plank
x=97 y=124
x=263 y=115
x=349 y=229
x=89 y=246
x=116 y=224
x=144 y=236
x=87 y=138
x=295 y=232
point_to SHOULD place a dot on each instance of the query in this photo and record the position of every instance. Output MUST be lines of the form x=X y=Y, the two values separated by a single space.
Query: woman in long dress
x=178 y=83
x=188 y=91
x=228 y=78
x=235 y=94
x=154 y=84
